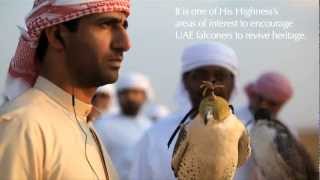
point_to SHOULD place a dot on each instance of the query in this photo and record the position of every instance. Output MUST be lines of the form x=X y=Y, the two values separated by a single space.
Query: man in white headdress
x=121 y=131
x=70 y=48
x=200 y=62
x=103 y=102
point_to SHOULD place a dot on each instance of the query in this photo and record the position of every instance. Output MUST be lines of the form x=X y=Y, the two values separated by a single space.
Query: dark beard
x=131 y=109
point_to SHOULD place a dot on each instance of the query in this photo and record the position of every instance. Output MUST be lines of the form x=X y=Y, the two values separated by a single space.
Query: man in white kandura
x=121 y=131
x=200 y=62
x=70 y=48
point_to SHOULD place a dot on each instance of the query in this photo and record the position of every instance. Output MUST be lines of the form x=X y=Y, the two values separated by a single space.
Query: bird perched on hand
x=213 y=144
x=277 y=154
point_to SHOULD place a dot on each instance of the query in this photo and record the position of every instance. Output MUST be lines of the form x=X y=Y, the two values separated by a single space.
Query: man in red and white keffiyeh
x=24 y=66
x=70 y=48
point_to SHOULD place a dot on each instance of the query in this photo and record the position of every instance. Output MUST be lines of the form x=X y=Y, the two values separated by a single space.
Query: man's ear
x=54 y=37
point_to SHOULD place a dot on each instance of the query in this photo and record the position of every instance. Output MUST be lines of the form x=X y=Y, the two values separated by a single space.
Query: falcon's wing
x=179 y=149
x=244 y=149
x=293 y=154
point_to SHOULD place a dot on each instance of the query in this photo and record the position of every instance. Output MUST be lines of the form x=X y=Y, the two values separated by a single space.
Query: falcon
x=213 y=144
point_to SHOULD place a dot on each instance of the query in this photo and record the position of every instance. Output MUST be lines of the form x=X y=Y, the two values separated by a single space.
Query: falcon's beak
x=208 y=115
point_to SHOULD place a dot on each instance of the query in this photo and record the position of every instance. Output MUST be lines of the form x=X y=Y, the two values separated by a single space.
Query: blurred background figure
x=121 y=131
x=157 y=112
x=103 y=102
x=270 y=91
